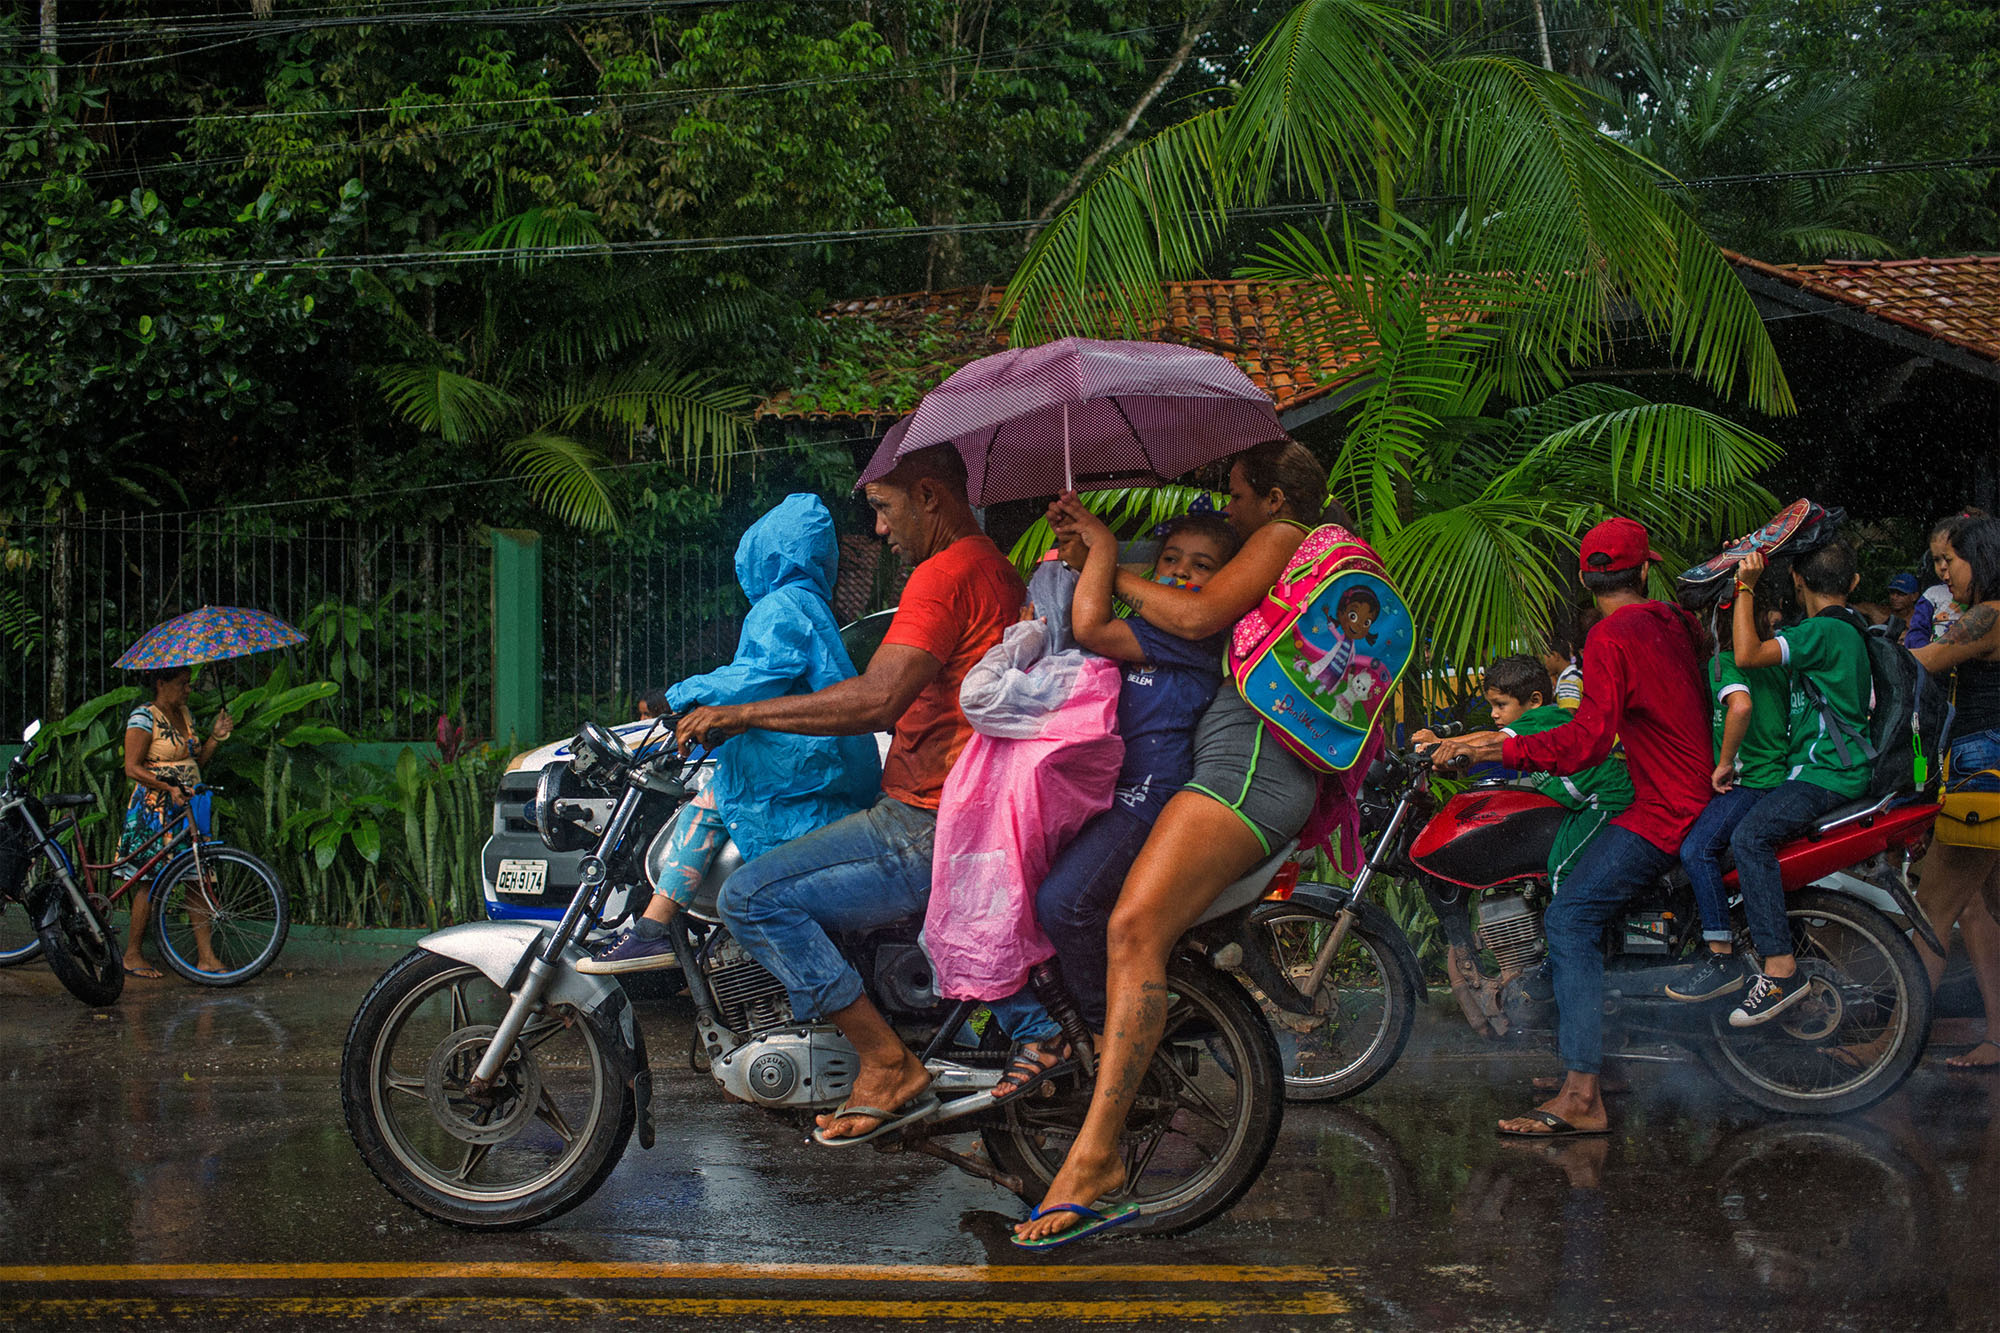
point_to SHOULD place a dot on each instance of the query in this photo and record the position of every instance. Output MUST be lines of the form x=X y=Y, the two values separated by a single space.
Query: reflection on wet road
x=180 y=1159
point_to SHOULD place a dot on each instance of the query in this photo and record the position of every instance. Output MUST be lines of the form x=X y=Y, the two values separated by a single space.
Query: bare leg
x=135 y=961
x=1981 y=934
x=1580 y=1101
x=1198 y=848
x=891 y=1074
x=201 y=916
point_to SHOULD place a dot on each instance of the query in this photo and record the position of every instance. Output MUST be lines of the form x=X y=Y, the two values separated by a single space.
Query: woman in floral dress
x=163 y=755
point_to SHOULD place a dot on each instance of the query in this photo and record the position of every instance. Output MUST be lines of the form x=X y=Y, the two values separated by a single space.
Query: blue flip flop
x=1093 y=1222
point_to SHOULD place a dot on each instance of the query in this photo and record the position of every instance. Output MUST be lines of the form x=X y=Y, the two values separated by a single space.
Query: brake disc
x=495 y=1115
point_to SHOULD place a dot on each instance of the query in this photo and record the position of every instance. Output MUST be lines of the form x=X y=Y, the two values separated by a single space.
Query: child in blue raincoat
x=768 y=787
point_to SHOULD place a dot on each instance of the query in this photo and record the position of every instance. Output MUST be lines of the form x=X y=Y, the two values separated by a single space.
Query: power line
x=780 y=240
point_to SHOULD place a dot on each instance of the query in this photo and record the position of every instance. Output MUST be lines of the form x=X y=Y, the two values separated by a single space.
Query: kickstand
x=972 y=1166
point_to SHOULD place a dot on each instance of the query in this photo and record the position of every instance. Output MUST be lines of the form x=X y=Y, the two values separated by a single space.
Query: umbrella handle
x=1069 y=476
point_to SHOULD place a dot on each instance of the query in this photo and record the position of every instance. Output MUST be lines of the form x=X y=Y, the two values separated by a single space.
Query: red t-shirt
x=955 y=607
x=1642 y=684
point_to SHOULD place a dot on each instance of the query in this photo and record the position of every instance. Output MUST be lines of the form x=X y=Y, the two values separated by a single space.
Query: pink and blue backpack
x=1320 y=658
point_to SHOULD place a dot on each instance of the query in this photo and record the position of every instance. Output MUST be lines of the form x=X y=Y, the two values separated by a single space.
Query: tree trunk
x=1542 y=36
x=61 y=575
x=1190 y=34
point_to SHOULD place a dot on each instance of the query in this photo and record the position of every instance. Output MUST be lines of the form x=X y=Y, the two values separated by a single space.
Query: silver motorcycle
x=491 y=1085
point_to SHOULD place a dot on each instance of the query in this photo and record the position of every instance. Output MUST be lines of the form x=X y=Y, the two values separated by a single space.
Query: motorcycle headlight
x=597 y=754
x=556 y=783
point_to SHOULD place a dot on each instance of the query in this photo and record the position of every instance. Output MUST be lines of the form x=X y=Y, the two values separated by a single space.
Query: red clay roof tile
x=1953 y=300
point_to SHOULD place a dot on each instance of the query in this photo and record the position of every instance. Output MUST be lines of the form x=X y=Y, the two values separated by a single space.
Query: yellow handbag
x=1971 y=815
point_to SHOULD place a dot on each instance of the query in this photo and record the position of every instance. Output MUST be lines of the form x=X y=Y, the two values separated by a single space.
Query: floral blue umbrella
x=211 y=634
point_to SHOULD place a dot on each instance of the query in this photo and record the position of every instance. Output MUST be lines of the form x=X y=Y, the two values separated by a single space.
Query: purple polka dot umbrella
x=1083 y=414
x=209 y=635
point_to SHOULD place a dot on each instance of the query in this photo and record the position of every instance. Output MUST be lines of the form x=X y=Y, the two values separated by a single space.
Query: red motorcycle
x=1483 y=857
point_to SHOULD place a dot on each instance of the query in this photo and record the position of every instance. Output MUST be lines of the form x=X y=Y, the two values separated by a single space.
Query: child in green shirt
x=1522 y=696
x=1752 y=740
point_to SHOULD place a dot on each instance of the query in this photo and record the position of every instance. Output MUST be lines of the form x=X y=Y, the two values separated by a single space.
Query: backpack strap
x=1835 y=728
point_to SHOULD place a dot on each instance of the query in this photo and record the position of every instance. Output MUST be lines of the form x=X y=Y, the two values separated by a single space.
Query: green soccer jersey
x=1593 y=796
x=1763 y=757
x=1827 y=658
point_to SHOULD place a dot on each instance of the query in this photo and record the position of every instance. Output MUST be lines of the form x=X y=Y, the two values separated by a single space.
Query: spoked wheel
x=1344 y=1037
x=82 y=948
x=228 y=900
x=18 y=941
x=1203 y=1125
x=537 y=1144
x=1854 y=1037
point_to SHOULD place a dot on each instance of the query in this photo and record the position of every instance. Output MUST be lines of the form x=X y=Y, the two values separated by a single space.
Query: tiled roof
x=1244 y=321
x=1956 y=301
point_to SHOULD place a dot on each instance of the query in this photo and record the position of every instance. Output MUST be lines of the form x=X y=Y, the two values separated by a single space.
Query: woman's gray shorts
x=1238 y=762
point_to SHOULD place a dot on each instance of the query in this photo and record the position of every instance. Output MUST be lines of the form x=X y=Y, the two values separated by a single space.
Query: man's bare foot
x=890 y=1089
x=1985 y=1055
x=1579 y=1103
x=1078 y=1182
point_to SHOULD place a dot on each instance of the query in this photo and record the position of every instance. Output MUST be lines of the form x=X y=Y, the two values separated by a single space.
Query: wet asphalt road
x=179 y=1160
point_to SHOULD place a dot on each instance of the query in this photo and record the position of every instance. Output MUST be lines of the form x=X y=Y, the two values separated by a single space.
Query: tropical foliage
x=1488 y=241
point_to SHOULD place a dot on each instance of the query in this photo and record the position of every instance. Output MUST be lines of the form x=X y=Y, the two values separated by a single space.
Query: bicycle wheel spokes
x=222 y=917
x=18 y=941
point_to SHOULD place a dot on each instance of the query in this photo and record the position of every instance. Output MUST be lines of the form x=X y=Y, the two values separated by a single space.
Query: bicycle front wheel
x=222 y=907
x=18 y=940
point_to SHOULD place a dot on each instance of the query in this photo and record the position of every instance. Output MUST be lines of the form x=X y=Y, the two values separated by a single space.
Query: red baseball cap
x=1615 y=544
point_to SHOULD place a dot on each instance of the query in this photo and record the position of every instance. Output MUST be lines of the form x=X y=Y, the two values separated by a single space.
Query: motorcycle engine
x=1511 y=929
x=749 y=998
x=812 y=1066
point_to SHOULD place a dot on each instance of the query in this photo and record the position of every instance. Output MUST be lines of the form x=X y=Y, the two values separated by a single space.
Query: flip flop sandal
x=1093 y=1222
x=1020 y=1062
x=1974 y=1069
x=922 y=1108
x=146 y=973
x=1557 y=1128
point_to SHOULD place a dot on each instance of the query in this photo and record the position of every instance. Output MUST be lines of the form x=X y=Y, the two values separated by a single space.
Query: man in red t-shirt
x=1642 y=668
x=873 y=868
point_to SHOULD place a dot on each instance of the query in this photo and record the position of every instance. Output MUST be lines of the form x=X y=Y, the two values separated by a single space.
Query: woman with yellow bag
x=1965 y=859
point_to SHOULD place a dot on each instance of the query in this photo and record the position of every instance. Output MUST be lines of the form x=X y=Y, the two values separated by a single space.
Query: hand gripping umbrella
x=1033 y=421
x=212 y=634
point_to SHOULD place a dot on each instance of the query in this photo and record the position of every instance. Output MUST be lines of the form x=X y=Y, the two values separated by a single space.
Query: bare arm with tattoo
x=1972 y=639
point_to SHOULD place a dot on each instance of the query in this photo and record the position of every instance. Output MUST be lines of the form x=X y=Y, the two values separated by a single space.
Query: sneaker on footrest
x=629 y=953
x=1769 y=996
x=1715 y=976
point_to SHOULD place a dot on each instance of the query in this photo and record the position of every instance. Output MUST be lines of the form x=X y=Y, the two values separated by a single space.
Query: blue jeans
x=1701 y=856
x=1074 y=902
x=1782 y=815
x=857 y=874
x=1611 y=868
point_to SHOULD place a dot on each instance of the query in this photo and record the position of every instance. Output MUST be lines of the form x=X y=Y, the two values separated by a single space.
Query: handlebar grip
x=1444 y=731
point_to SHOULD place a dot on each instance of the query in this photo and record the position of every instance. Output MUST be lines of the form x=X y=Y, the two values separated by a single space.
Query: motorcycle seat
x=1860 y=812
x=1248 y=889
x=69 y=800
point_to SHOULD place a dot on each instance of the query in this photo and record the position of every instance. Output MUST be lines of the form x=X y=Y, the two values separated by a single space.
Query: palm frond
x=1481 y=576
x=541 y=235
x=696 y=417
x=1129 y=510
x=562 y=477
x=455 y=406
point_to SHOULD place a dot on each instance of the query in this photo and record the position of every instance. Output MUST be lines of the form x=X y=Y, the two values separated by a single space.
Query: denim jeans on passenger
x=1701 y=857
x=1784 y=813
x=1616 y=864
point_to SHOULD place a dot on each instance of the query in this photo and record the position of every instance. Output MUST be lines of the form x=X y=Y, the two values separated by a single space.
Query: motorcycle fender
x=500 y=948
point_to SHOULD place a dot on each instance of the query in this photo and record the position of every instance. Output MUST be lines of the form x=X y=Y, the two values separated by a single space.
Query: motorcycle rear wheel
x=559 y=1121
x=90 y=963
x=1368 y=998
x=1857 y=1034
x=1205 y=1121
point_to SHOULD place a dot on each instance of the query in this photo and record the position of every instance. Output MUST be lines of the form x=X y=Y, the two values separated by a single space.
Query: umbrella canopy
x=1083 y=413
x=208 y=635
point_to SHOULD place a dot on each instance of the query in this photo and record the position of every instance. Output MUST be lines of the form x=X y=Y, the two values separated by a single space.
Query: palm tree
x=1507 y=230
x=557 y=362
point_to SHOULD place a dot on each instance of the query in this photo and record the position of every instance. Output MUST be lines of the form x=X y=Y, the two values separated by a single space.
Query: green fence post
x=517 y=638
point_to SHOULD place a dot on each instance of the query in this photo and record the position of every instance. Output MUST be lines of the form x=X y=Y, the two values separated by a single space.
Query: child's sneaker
x=631 y=954
x=1716 y=975
x=1769 y=996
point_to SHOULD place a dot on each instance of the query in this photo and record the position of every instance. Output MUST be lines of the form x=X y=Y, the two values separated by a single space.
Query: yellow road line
x=597 y=1312
x=629 y=1270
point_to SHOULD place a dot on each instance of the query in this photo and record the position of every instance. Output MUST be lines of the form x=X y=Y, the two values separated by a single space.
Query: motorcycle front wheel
x=537 y=1144
x=82 y=949
x=1365 y=1008
x=1857 y=1033
x=1203 y=1124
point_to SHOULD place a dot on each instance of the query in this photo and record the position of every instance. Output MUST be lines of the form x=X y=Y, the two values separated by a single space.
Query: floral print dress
x=170 y=755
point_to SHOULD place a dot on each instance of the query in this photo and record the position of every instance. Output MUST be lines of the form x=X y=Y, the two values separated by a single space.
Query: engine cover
x=812 y=1066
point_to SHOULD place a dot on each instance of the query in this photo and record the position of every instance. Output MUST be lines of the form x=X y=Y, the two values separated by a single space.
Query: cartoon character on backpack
x=1298 y=659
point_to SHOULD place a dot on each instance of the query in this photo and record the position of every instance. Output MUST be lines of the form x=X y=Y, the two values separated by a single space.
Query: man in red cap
x=1643 y=665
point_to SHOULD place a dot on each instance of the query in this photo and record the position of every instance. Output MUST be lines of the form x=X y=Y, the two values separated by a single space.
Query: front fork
x=60 y=864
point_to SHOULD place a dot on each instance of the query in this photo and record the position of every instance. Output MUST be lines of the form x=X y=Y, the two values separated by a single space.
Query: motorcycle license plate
x=521 y=878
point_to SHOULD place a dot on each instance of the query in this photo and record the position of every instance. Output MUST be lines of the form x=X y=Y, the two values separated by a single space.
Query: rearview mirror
x=34 y=729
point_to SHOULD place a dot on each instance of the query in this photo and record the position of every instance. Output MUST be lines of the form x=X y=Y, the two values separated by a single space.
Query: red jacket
x=1642 y=684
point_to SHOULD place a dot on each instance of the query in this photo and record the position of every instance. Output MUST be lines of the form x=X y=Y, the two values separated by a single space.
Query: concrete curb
x=341 y=949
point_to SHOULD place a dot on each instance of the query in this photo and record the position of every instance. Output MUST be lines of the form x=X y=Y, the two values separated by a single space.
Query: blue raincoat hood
x=793 y=544
x=771 y=787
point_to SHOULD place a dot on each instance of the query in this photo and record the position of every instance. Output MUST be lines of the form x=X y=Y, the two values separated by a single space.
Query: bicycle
x=204 y=892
